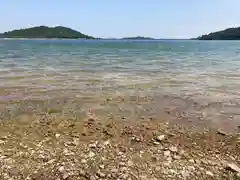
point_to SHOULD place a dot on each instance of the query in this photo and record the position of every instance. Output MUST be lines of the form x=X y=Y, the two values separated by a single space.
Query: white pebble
x=173 y=149
x=91 y=154
x=167 y=153
x=191 y=160
x=161 y=137
x=61 y=169
x=209 y=173
x=57 y=135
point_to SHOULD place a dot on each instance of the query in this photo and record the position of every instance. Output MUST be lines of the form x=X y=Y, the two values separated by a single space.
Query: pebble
x=83 y=161
x=100 y=174
x=198 y=161
x=130 y=163
x=169 y=159
x=221 y=132
x=176 y=157
x=51 y=161
x=92 y=178
x=106 y=143
x=82 y=172
x=185 y=174
x=173 y=149
x=61 y=169
x=76 y=141
x=101 y=166
x=92 y=145
x=181 y=152
x=143 y=177
x=233 y=167
x=167 y=153
x=161 y=138
x=209 y=173
x=91 y=154
x=57 y=135
x=65 y=175
x=156 y=143
x=191 y=161
x=238 y=175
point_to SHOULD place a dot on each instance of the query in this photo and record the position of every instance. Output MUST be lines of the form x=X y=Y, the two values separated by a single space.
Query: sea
x=206 y=73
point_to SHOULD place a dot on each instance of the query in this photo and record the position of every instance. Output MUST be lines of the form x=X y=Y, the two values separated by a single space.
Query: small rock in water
x=161 y=138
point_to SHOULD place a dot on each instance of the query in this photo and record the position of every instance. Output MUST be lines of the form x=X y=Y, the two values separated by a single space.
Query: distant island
x=227 y=34
x=138 y=38
x=46 y=32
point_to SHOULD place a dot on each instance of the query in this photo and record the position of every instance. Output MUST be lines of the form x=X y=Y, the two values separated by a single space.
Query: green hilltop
x=46 y=32
x=227 y=34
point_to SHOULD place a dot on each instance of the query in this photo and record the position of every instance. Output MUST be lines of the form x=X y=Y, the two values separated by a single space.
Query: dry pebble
x=131 y=153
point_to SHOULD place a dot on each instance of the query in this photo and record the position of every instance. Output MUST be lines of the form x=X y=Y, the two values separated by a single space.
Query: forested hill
x=227 y=34
x=45 y=32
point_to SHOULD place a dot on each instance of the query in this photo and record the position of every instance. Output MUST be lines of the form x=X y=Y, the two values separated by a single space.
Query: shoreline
x=48 y=147
x=110 y=138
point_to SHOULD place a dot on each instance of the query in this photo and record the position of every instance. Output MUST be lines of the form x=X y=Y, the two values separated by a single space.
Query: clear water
x=195 y=80
x=204 y=70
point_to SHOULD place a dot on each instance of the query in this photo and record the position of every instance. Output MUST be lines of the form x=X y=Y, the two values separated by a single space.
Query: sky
x=123 y=18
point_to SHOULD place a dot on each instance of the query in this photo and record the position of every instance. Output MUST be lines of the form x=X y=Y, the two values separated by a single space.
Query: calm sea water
x=204 y=70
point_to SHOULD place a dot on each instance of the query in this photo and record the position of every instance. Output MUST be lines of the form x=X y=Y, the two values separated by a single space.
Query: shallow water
x=207 y=72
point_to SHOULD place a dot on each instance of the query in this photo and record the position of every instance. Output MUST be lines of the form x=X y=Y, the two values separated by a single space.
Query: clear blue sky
x=121 y=18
